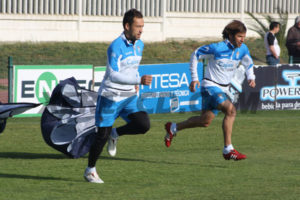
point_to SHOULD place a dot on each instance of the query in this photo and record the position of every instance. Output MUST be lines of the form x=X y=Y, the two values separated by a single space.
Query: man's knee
x=206 y=124
x=144 y=126
x=228 y=108
x=206 y=118
x=231 y=111
x=103 y=132
x=141 y=121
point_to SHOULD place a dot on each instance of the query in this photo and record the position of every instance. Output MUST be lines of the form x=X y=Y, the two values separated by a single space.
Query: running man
x=223 y=59
x=118 y=92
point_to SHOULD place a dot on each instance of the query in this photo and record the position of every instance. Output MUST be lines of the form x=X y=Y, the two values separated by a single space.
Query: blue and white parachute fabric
x=68 y=121
x=10 y=109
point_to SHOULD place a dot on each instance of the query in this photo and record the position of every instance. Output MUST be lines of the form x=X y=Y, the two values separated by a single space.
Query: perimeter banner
x=34 y=83
x=277 y=88
x=169 y=91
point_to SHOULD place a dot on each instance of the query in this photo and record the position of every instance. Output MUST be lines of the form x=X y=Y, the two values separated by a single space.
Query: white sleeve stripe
x=250 y=66
x=193 y=66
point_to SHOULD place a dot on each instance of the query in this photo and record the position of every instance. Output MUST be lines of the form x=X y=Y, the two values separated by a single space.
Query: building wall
x=101 y=20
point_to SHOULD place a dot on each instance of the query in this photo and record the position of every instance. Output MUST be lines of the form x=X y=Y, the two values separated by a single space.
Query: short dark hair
x=233 y=28
x=273 y=25
x=129 y=15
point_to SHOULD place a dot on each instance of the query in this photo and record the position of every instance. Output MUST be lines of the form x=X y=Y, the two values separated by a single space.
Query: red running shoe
x=169 y=135
x=234 y=155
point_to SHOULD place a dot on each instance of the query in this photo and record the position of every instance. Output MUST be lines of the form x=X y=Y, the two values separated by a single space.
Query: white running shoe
x=112 y=144
x=92 y=177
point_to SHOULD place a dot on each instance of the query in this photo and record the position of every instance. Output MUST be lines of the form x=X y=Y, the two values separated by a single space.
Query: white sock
x=90 y=169
x=227 y=149
x=174 y=128
x=114 y=133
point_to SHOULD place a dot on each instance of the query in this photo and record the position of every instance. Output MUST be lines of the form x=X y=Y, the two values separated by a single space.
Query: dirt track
x=4 y=92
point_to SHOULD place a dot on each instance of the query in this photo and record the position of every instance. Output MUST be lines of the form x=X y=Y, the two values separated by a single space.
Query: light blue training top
x=223 y=60
x=121 y=76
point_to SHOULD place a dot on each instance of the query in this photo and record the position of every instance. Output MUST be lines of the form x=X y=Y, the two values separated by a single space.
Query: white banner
x=35 y=83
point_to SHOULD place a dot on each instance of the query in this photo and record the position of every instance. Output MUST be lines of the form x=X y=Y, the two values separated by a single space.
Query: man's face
x=238 y=39
x=277 y=29
x=135 y=31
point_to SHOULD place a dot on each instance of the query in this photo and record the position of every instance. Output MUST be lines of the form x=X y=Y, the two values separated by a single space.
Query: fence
x=233 y=6
x=150 y=8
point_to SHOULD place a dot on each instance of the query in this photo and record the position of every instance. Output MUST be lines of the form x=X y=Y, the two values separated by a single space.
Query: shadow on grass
x=147 y=161
x=25 y=155
x=21 y=176
x=220 y=165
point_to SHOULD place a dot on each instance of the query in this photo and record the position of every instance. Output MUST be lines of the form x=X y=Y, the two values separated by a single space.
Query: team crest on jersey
x=220 y=96
x=237 y=55
x=139 y=49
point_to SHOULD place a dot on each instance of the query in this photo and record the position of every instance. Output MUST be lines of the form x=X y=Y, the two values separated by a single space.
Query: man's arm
x=200 y=53
x=272 y=49
x=247 y=62
x=114 y=57
x=271 y=39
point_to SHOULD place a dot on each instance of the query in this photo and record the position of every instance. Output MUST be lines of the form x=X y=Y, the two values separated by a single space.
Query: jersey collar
x=229 y=44
x=127 y=42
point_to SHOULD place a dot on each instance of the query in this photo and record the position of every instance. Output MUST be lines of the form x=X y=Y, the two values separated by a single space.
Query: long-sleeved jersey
x=223 y=60
x=123 y=59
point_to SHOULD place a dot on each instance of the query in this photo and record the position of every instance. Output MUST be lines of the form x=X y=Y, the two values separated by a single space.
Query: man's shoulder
x=268 y=33
x=117 y=42
x=293 y=29
x=244 y=48
x=140 y=43
x=116 y=45
x=218 y=44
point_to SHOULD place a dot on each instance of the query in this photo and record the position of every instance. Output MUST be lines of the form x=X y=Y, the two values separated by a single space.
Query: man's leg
x=96 y=149
x=138 y=123
x=102 y=135
x=204 y=120
x=230 y=112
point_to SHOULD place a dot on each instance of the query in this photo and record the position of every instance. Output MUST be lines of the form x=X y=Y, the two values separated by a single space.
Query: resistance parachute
x=68 y=121
x=10 y=109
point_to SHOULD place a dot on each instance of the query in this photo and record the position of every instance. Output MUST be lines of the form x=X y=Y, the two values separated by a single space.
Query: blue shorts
x=107 y=111
x=211 y=98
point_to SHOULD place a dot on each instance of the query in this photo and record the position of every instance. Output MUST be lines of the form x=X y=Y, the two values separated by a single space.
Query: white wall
x=74 y=28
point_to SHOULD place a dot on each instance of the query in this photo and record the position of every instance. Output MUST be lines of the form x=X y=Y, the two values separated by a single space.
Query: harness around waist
x=223 y=85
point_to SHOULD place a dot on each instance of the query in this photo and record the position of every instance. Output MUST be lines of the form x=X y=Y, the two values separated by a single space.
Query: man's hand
x=252 y=83
x=193 y=85
x=146 y=80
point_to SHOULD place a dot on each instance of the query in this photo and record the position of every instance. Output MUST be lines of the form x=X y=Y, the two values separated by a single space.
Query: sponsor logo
x=174 y=104
x=165 y=81
x=44 y=86
x=291 y=91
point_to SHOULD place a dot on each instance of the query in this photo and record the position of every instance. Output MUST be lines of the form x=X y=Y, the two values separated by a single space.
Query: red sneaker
x=169 y=135
x=234 y=155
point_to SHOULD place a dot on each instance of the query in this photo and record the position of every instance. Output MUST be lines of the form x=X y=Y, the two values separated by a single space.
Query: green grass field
x=192 y=168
